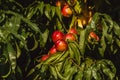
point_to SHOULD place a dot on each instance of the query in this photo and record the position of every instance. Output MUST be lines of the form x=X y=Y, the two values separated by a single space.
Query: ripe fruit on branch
x=44 y=57
x=61 y=45
x=52 y=50
x=73 y=31
x=94 y=36
x=70 y=36
x=57 y=35
x=58 y=3
x=66 y=11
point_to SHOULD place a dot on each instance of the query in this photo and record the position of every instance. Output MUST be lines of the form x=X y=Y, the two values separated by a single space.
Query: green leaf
x=82 y=41
x=59 y=65
x=28 y=61
x=47 y=11
x=72 y=21
x=30 y=13
x=117 y=42
x=108 y=2
x=5 y=69
x=12 y=56
x=95 y=73
x=35 y=44
x=110 y=65
x=88 y=74
x=71 y=73
x=105 y=28
x=36 y=77
x=13 y=25
x=59 y=74
x=44 y=68
x=58 y=13
x=94 y=20
x=108 y=19
x=71 y=51
x=63 y=56
x=102 y=46
x=44 y=37
x=66 y=67
x=107 y=67
x=108 y=72
x=37 y=67
x=33 y=26
x=53 y=71
x=18 y=50
x=79 y=75
x=105 y=36
x=41 y=7
x=116 y=29
x=52 y=11
x=58 y=25
x=52 y=58
x=75 y=52
x=19 y=73
x=77 y=8
x=6 y=75
x=2 y=17
x=22 y=39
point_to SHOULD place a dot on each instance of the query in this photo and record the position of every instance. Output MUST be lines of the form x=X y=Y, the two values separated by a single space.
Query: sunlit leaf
x=109 y=69
x=33 y=70
x=116 y=29
x=82 y=41
x=88 y=74
x=18 y=50
x=52 y=11
x=96 y=75
x=75 y=52
x=73 y=21
x=2 y=17
x=79 y=75
x=71 y=72
x=12 y=56
x=118 y=42
x=78 y=8
x=44 y=37
x=47 y=11
x=31 y=25
x=5 y=69
x=53 y=71
x=41 y=7
x=58 y=13
x=94 y=20
x=31 y=13
x=102 y=46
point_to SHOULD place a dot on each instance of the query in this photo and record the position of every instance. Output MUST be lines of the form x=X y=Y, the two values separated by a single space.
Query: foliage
x=25 y=35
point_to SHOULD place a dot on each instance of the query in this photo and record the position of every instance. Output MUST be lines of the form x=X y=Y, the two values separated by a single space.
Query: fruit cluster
x=60 y=42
